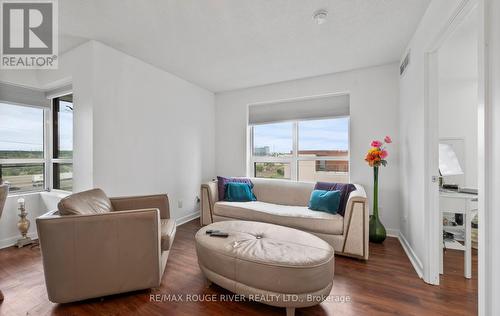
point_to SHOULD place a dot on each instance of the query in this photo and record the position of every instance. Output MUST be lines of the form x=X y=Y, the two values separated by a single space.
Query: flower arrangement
x=376 y=157
x=377 y=154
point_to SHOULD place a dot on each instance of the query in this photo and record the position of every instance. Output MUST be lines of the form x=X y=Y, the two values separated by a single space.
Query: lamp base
x=24 y=242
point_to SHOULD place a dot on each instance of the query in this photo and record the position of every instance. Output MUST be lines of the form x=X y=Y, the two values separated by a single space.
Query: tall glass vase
x=377 y=230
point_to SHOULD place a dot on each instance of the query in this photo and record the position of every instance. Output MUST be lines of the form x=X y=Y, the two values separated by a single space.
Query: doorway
x=458 y=149
x=453 y=143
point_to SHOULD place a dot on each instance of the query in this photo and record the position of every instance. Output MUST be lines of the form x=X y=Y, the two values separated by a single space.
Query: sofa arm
x=159 y=201
x=356 y=223
x=87 y=256
x=209 y=195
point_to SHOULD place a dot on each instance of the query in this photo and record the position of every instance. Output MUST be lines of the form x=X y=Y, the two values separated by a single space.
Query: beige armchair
x=94 y=246
x=4 y=191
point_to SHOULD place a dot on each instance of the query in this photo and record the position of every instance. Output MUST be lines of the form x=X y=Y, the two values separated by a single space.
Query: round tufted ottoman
x=272 y=264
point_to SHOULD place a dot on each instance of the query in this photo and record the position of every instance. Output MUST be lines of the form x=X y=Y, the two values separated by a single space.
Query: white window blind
x=14 y=94
x=299 y=109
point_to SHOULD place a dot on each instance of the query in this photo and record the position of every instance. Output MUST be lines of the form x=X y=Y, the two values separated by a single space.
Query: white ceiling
x=230 y=44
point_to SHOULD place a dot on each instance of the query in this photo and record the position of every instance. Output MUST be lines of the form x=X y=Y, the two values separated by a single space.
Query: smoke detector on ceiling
x=320 y=16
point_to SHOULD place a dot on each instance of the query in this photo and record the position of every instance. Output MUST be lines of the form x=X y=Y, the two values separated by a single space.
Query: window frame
x=54 y=136
x=48 y=160
x=31 y=161
x=295 y=158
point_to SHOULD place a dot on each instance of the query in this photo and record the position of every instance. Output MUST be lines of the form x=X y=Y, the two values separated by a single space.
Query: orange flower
x=377 y=153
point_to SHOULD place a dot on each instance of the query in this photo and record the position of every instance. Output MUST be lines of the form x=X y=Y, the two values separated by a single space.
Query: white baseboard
x=392 y=232
x=11 y=241
x=415 y=261
x=186 y=218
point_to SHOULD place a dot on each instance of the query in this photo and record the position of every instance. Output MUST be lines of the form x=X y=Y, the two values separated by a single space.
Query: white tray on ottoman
x=275 y=265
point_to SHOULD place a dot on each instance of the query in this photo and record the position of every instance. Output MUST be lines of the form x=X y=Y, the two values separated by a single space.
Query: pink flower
x=388 y=139
x=376 y=143
x=384 y=154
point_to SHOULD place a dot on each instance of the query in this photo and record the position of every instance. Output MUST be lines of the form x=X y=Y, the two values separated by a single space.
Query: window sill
x=56 y=193
x=21 y=194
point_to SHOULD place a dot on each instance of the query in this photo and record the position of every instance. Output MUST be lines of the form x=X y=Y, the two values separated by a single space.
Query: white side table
x=458 y=203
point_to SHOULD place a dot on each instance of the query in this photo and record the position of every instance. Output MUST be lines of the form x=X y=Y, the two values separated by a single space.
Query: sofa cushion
x=222 y=181
x=239 y=192
x=325 y=201
x=168 y=229
x=344 y=188
x=284 y=192
x=89 y=202
x=299 y=217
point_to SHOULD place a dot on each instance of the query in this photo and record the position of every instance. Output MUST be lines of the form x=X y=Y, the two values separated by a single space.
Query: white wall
x=411 y=120
x=374 y=114
x=153 y=132
x=458 y=120
x=138 y=129
x=489 y=279
x=76 y=67
x=458 y=95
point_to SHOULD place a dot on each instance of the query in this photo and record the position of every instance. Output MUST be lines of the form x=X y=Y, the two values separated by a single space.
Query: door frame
x=431 y=138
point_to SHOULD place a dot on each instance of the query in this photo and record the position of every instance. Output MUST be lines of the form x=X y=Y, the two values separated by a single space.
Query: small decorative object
x=23 y=225
x=376 y=157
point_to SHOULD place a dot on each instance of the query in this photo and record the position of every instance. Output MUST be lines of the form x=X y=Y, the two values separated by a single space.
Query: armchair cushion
x=168 y=229
x=299 y=217
x=89 y=202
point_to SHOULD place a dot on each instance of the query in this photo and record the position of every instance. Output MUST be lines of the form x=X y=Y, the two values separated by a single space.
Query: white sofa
x=284 y=202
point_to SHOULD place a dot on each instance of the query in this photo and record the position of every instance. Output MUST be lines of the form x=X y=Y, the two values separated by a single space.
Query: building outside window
x=27 y=163
x=302 y=150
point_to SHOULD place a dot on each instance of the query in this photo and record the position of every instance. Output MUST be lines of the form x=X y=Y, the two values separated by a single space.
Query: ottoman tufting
x=272 y=264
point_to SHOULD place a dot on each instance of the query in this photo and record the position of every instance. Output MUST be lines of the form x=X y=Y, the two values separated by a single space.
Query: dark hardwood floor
x=385 y=285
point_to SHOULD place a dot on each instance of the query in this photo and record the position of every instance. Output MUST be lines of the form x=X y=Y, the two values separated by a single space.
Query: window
x=22 y=160
x=273 y=140
x=276 y=170
x=26 y=163
x=63 y=176
x=62 y=135
x=308 y=150
x=323 y=149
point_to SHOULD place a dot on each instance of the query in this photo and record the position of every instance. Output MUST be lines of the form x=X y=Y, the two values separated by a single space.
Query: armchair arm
x=159 y=201
x=209 y=195
x=87 y=256
x=356 y=223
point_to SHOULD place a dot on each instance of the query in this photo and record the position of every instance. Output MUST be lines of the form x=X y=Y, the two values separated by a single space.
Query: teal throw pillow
x=239 y=192
x=325 y=201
